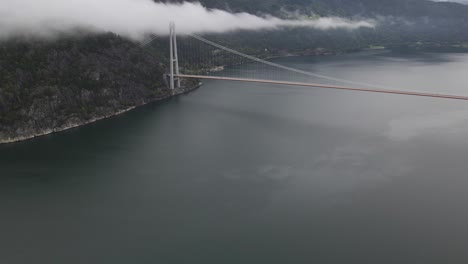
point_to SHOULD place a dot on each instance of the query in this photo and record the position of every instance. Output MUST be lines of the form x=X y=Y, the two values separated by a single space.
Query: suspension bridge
x=196 y=57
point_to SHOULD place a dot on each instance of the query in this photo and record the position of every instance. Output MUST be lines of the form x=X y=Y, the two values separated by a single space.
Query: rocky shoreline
x=75 y=124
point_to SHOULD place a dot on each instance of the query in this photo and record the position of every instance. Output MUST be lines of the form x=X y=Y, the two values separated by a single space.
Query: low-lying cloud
x=135 y=18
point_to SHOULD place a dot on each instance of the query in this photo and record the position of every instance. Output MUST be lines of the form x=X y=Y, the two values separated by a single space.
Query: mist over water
x=135 y=18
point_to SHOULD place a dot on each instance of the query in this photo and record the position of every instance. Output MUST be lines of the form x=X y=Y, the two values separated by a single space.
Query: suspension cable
x=282 y=66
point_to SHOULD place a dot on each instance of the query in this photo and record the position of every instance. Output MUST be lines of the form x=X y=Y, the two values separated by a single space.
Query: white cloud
x=134 y=18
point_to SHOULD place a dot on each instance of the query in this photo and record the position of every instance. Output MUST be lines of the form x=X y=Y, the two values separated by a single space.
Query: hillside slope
x=347 y=8
x=398 y=22
x=51 y=86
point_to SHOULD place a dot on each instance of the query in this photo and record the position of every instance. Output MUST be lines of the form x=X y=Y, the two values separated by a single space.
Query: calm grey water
x=249 y=173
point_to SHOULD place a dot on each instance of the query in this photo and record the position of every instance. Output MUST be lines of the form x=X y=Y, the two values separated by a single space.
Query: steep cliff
x=48 y=86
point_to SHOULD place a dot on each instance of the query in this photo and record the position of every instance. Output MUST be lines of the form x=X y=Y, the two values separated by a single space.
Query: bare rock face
x=51 y=86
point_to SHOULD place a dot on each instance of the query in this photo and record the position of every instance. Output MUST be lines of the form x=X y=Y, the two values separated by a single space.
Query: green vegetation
x=398 y=22
x=44 y=84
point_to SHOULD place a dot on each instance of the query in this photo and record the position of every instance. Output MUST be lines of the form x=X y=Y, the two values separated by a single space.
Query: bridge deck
x=433 y=95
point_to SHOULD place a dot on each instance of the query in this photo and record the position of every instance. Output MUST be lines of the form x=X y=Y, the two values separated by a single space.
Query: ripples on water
x=249 y=173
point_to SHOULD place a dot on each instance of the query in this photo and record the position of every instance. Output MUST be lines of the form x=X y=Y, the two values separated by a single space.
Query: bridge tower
x=174 y=58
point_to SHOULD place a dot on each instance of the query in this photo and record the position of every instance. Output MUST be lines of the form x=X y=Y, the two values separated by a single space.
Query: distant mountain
x=50 y=86
x=349 y=8
x=399 y=21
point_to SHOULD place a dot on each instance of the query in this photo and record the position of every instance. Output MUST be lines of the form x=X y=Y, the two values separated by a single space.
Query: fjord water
x=250 y=173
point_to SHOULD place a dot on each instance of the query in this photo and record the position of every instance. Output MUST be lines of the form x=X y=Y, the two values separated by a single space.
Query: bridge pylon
x=174 y=58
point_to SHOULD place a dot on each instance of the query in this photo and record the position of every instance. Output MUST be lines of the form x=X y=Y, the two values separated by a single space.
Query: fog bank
x=134 y=18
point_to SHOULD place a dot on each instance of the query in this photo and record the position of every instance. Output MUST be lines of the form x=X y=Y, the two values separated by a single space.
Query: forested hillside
x=51 y=85
x=398 y=21
x=48 y=85
x=348 y=8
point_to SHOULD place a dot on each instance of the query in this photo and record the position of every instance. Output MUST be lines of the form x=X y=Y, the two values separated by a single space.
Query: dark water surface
x=249 y=173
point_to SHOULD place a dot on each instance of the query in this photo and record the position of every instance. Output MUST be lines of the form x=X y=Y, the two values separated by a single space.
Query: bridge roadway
x=433 y=95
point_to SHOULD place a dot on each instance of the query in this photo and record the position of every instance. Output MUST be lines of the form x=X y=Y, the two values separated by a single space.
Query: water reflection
x=242 y=173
